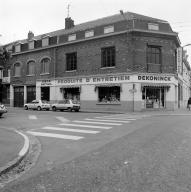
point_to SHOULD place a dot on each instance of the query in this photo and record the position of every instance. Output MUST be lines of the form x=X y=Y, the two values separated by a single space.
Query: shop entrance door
x=18 y=96
x=154 y=97
x=45 y=93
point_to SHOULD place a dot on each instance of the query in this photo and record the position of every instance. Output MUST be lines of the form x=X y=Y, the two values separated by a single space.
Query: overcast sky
x=17 y=17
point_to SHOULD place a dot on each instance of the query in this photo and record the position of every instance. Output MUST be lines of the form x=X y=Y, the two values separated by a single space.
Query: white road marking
x=103 y=123
x=33 y=117
x=117 y=118
x=60 y=136
x=110 y=120
x=62 y=119
x=71 y=130
x=89 y=126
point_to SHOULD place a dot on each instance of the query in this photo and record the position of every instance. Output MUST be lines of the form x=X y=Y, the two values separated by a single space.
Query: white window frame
x=109 y=29
x=72 y=37
x=153 y=26
x=89 y=33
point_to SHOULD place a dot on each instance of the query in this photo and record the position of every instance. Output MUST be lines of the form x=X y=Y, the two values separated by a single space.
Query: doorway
x=45 y=93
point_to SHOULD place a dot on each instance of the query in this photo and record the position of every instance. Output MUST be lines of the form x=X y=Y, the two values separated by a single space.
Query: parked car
x=3 y=109
x=67 y=104
x=38 y=105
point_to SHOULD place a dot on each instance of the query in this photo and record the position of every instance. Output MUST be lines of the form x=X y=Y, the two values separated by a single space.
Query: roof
x=98 y=22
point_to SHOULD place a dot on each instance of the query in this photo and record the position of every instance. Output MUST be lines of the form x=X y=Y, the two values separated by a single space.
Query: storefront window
x=109 y=94
x=154 y=97
x=72 y=93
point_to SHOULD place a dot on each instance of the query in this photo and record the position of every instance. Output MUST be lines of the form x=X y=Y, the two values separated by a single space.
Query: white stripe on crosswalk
x=34 y=117
x=89 y=126
x=62 y=119
x=71 y=130
x=110 y=120
x=117 y=118
x=103 y=123
x=60 y=136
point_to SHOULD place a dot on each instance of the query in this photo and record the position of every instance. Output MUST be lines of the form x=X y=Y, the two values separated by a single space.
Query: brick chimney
x=69 y=23
x=30 y=35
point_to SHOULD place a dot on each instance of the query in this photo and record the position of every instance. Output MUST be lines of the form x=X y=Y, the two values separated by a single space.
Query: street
x=105 y=152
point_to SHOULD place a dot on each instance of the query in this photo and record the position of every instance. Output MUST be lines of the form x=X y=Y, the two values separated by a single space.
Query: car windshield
x=75 y=102
x=43 y=101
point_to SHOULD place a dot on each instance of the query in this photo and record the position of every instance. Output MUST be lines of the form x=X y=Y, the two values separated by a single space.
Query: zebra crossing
x=84 y=127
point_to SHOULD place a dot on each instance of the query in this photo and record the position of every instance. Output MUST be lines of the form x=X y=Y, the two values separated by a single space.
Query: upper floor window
x=108 y=57
x=109 y=29
x=18 y=48
x=89 y=33
x=72 y=37
x=45 y=41
x=31 y=68
x=153 y=26
x=154 y=58
x=71 y=61
x=31 y=44
x=45 y=64
x=17 y=69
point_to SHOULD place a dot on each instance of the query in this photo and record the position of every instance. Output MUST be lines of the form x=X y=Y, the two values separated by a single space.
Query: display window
x=72 y=93
x=154 y=97
x=109 y=94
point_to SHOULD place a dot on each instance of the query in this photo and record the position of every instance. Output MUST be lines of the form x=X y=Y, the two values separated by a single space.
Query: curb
x=23 y=152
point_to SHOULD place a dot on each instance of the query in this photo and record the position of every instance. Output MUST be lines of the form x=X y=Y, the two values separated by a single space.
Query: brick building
x=124 y=62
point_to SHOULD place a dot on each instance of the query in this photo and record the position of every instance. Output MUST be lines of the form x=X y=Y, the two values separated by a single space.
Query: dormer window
x=109 y=29
x=31 y=44
x=72 y=37
x=89 y=33
x=45 y=41
x=18 y=47
x=153 y=26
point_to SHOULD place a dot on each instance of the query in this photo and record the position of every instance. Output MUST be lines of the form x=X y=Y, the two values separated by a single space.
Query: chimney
x=30 y=35
x=69 y=23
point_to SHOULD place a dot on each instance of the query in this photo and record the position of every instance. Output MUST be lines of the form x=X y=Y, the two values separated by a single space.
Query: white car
x=67 y=104
x=38 y=105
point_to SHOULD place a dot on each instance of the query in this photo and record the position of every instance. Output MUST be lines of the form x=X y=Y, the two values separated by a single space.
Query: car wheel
x=54 y=108
x=77 y=110
x=39 y=108
x=1 y=114
x=26 y=108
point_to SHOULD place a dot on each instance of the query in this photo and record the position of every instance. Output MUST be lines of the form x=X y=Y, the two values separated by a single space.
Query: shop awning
x=155 y=85
x=109 y=85
x=70 y=86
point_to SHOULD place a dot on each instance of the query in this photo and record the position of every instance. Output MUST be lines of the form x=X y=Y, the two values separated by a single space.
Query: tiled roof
x=102 y=21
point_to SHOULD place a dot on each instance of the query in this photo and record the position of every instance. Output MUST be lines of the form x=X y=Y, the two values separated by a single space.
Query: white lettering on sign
x=46 y=82
x=153 y=78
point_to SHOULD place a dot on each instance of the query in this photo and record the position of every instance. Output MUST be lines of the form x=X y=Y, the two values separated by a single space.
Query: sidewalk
x=12 y=149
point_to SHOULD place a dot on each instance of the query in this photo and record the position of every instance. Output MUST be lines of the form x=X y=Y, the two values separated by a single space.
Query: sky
x=18 y=17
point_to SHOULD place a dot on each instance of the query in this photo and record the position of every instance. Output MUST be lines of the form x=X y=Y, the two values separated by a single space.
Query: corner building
x=124 y=62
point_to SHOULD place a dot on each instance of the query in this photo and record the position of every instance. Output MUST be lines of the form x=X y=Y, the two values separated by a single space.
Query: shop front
x=118 y=92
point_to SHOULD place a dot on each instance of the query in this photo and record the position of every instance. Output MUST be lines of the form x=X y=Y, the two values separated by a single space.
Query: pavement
x=14 y=146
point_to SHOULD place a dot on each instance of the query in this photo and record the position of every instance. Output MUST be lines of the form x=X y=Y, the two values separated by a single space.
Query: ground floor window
x=154 y=97
x=72 y=93
x=109 y=94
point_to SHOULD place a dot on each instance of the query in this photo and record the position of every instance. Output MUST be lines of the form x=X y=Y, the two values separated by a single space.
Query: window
x=72 y=37
x=31 y=44
x=18 y=48
x=108 y=57
x=45 y=63
x=31 y=68
x=45 y=41
x=89 y=33
x=154 y=58
x=109 y=29
x=71 y=61
x=153 y=26
x=17 y=69
x=109 y=94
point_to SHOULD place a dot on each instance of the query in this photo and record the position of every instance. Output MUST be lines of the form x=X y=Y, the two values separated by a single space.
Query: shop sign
x=46 y=82
x=154 y=78
x=94 y=80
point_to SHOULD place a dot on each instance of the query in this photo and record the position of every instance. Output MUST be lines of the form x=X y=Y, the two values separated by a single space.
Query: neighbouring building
x=124 y=62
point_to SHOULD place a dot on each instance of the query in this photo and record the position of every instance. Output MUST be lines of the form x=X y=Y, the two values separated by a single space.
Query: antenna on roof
x=68 y=12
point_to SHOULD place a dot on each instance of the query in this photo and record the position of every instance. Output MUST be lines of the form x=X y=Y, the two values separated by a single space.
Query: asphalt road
x=148 y=153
